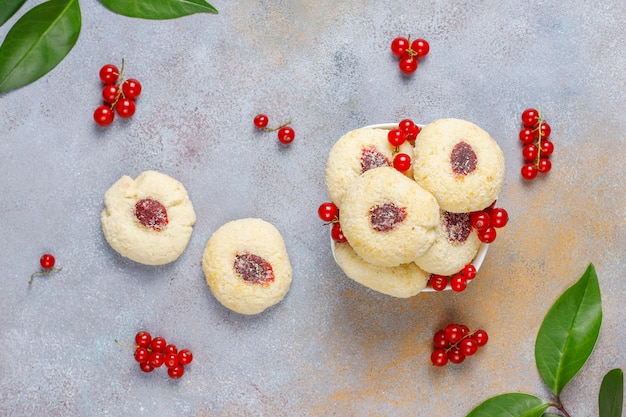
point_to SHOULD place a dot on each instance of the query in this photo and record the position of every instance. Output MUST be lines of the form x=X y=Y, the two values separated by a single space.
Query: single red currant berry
x=125 y=107
x=396 y=137
x=469 y=272
x=455 y=355
x=176 y=372
x=481 y=337
x=402 y=162
x=487 y=235
x=530 y=151
x=109 y=74
x=408 y=64
x=530 y=117
x=499 y=217
x=420 y=47
x=411 y=134
x=440 y=340
x=439 y=357
x=109 y=93
x=527 y=135
x=143 y=339
x=529 y=171
x=47 y=261
x=543 y=130
x=261 y=121
x=328 y=212
x=438 y=282
x=142 y=354
x=185 y=357
x=337 y=234
x=479 y=220
x=544 y=165
x=399 y=46
x=158 y=344
x=146 y=367
x=406 y=126
x=286 y=135
x=468 y=346
x=103 y=115
x=458 y=283
x=546 y=147
x=131 y=88
x=156 y=359
x=453 y=333
x=170 y=349
x=464 y=330
x=171 y=360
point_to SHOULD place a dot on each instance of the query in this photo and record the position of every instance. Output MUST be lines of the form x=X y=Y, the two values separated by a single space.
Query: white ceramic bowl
x=482 y=250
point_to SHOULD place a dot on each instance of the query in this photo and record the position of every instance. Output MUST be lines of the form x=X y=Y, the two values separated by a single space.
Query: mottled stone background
x=331 y=348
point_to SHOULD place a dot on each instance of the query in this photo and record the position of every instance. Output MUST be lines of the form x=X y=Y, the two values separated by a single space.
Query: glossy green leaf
x=38 y=41
x=8 y=9
x=611 y=398
x=569 y=332
x=510 y=405
x=158 y=9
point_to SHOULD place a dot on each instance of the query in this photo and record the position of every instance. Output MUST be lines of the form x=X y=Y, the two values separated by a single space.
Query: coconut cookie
x=148 y=219
x=459 y=163
x=246 y=265
x=387 y=218
x=456 y=245
x=355 y=153
x=401 y=281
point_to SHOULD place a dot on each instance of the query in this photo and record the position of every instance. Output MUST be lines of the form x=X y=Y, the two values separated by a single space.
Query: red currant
x=143 y=339
x=527 y=135
x=480 y=220
x=402 y=162
x=499 y=217
x=530 y=152
x=185 y=357
x=440 y=340
x=529 y=171
x=328 y=212
x=420 y=47
x=458 y=283
x=170 y=349
x=156 y=359
x=171 y=360
x=158 y=344
x=176 y=372
x=469 y=272
x=455 y=355
x=464 y=330
x=109 y=74
x=530 y=117
x=109 y=93
x=407 y=127
x=142 y=354
x=481 y=337
x=543 y=130
x=286 y=135
x=408 y=64
x=468 y=346
x=261 y=120
x=337 y=234
x=439 y=357
x=125 y=107
x=453 y=333
x=438 y=282
x=146 y=367
x=546 y=147
x=47 y=261
x=131 y=88
x=544 y=165
x=396 y=137
x=103 y=115
x=399 y=46
x=487 y=235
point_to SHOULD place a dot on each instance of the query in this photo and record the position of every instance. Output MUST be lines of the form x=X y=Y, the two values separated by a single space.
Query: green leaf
x=611 y=399
x=569 y=332
x=37 y=42
x=510 y=405
x=9 y=8
x=158 y=9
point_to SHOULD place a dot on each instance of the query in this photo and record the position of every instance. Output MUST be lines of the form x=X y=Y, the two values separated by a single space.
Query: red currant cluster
x=119 y=94
x=329 y=213
x=286 y=134
x=458 y=282
x=409 y=52
x=153 y=353
x=537 y=148
x=455 y=342
x=406 y=131
x=47 y=262
x=487 y=221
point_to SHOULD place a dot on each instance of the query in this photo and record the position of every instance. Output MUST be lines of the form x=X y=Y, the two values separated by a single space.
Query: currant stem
x=120 y=93
x=126 y=345
x=272 y=129
x=49 y=271
x=456 y=345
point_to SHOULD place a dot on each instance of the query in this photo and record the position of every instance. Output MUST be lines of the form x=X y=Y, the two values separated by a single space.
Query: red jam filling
x=457 y=226
x=254 y=269
x=372 y=158
x=387 y=216
x=463 y=159
x=151 y=213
